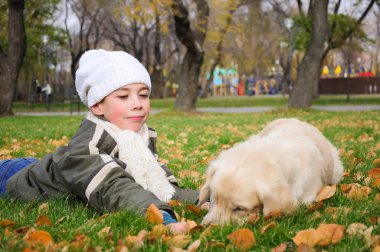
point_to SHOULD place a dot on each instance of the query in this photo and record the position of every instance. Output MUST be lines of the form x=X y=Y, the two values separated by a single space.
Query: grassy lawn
x=187 y=142
x=233 y=101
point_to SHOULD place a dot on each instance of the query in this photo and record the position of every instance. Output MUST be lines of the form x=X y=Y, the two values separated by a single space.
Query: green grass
x=187 y=141
x=232 y=101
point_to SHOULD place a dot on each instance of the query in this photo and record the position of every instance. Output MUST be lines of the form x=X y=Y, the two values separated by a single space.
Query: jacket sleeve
x=99 y=178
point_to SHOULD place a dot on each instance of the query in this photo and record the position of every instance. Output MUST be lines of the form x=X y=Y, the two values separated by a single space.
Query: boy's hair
x=101 y=72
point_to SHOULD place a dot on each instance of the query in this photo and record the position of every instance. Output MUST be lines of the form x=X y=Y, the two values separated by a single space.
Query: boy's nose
x=136 y=103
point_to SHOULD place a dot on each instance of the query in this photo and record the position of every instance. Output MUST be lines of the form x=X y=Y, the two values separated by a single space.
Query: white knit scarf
x=141 y=164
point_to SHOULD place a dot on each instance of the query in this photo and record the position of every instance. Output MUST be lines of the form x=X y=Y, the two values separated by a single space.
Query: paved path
x=236 y=110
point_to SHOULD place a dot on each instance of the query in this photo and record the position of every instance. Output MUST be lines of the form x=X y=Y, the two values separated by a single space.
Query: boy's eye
x=144 y=95
x=123 y=96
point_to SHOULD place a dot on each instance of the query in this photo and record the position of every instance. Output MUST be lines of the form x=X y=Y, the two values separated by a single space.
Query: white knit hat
x=101 y=72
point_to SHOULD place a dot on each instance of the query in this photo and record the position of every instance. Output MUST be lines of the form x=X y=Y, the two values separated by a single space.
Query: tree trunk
x=309 y=70
x=10 y=64
x=193 y=59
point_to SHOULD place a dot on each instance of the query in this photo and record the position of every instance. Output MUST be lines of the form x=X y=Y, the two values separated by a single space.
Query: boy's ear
x=97 y=110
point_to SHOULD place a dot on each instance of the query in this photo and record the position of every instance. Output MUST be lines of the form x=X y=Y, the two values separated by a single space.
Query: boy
x=111 y=162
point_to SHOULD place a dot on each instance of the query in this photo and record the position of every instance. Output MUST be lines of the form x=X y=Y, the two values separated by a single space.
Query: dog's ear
x=205 y=191
x=279 y=198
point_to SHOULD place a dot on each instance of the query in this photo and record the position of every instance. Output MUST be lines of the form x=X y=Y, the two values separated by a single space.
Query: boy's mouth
x=136 y=118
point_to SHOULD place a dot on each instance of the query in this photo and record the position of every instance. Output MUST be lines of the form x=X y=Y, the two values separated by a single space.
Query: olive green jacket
x=73 y=169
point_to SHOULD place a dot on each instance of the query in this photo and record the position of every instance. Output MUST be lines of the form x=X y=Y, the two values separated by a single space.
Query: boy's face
x=128 y=107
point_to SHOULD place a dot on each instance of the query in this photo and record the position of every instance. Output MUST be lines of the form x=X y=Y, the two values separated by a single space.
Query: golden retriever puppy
x=286 y=164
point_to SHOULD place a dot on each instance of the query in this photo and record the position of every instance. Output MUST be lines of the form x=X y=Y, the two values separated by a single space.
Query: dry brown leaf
x=179 y=241
x=253 y=219
x=43 y=220
x=174 y=203
x=269 y=226
x=305 y=248
x=359 y=192
x=345 y=188
x=330 y=233
x=243 y=239
x=104 y=232
x=376 y=182
x=158 y=232
x=309 y=237
x=22 y=230
x=315 y=206
x=280 y=248
x=43 y=209
x=7 y=223
x=274 y=214
x=374 y=173
x=326 y=192
x=367 y=234
x=376 y=249
x=356 y=228
x=207 y=232
x=376 y=162
x=134 y=243
x=35 y=237
x=154 y=215
x=79 y=242
x=195 y=210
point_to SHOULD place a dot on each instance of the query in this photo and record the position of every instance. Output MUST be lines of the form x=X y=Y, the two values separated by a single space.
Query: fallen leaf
x=104 y=232
x=253 y=219
x=194 y=209
x=43 y=220
x=179 y=241
x=330 y=234
x=7 y=223
x=242 y=239
x=367 y=234
x=376 y=249
x=326 y=192
x=308 y=236
x=158 y=232
x=79 y=242
x=154 y=215
x=374 y=173
x=35 y=237
x=376 y=162
x=274 y=214
x=266 y=227
x=356 y=228
x=43 y=208
x=359 y=192
x=315 y=206
x=280 y=248
x=305 y=248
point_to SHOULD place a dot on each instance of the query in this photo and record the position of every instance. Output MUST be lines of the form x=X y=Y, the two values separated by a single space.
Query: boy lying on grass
x=111 y=162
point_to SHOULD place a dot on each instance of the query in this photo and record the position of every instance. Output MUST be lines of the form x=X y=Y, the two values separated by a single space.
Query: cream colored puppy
x=286 y=164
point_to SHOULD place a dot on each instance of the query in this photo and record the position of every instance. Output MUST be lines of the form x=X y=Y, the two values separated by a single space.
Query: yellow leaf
x=154 y=215
x=356 y=228
x=253 y=218
x=308 y=236
x=43 y=220
x=194 y=246
x=43 y=208
x=35 y=237
x=243 y=239
x=158 y=232
x=330 y=233
x=326 y=192
x=376 y=162
x=270 y=225
x=274 y=214
x=179 y=241
x=374 y=173
x=280 y=248
x=359 y=192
